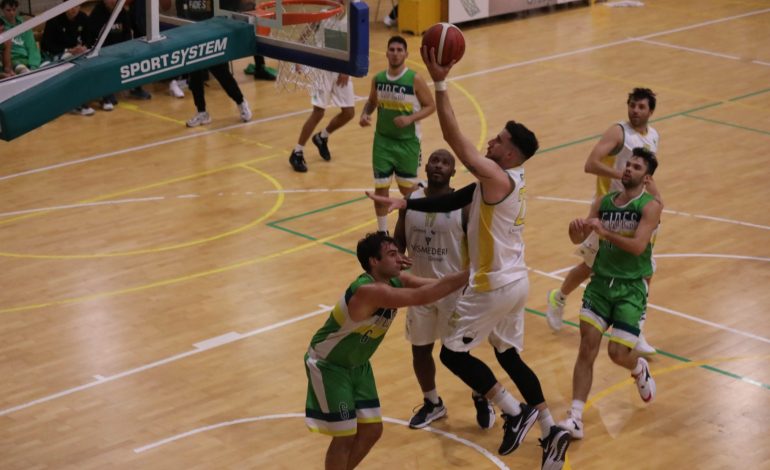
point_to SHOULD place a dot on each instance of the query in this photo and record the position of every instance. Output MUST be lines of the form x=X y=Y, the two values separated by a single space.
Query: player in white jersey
x=436 y=245
x=492 y=306
x=607 y=161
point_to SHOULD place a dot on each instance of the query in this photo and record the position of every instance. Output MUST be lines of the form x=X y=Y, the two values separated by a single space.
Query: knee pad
x=469 y=369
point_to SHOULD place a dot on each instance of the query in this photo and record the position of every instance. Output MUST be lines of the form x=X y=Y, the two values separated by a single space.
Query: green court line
x=331 y=245
x=333 y=206
x=749 y=95
x=674 y=356
x=725 y=123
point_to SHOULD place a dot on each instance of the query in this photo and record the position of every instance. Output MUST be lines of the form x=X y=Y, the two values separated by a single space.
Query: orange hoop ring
x=294 y=18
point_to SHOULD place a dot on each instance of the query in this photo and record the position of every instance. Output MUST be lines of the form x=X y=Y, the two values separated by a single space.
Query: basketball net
x=318 y=19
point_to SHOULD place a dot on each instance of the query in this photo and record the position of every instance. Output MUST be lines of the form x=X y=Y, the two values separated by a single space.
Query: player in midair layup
x=492 y=306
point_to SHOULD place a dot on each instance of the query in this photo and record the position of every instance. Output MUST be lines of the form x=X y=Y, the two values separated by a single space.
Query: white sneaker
x=107 y=106
x=175 y=90
x=84 y=111
x=574 y=426
x=243 y=108
x=199 y=119
x=644 y=382
x=20 y=69
x=643 y=347
x=388 y=21
x=555 y=311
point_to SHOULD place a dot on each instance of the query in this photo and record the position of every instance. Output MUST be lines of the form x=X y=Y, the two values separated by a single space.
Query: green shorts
x=339 y=397
x=619 y=303
x=401 y=157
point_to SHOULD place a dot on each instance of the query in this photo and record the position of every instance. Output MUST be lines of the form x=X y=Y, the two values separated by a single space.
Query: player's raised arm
x=367 y=299
x=610 y=144
x=495 y=180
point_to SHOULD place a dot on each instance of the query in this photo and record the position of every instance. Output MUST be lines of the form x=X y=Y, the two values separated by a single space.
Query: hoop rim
x=294 y=18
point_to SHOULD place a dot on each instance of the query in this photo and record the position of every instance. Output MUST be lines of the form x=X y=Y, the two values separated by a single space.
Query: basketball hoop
x=306 y=22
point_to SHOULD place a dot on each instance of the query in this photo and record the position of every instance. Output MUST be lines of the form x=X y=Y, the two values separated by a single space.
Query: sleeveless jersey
x=631 y=140
x=495 y=243
x=348 y=343
x=396 y=97
x=435 y=241
x=611 y=261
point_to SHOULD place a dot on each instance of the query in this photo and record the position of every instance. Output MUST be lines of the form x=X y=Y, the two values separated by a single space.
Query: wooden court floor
x=159 y=285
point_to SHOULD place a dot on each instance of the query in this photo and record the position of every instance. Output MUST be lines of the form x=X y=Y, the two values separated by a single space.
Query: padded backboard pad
x=123 y=66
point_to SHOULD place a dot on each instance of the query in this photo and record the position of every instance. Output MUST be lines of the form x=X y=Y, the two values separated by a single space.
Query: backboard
x=304 y=31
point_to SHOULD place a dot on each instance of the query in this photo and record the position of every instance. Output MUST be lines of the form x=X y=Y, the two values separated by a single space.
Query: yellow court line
x=135 y=108
x=251 y=224
x=658 y=372
x=188 y=277
x=147 y=186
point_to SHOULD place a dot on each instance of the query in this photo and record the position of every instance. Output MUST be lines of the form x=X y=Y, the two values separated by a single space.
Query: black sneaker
x=323 y=147
x=515 y=428
x=297 y=160
x=427 y=413
x=485 y=412
x=554 y=448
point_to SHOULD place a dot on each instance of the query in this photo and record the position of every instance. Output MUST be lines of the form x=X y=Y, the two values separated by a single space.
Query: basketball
x=448 y=41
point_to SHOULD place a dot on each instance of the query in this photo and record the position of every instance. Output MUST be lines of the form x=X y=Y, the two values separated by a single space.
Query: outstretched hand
x=392 y=203
x=437 y=71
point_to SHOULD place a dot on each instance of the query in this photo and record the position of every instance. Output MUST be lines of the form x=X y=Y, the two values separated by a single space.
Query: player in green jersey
x=342 y=397
x=402 y=98
x=617 y=294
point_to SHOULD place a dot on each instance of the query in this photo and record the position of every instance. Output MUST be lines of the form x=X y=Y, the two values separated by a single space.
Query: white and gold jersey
x=495 y=243
x=631 y=140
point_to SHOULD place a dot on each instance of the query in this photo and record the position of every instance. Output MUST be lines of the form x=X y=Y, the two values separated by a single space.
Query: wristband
x=440 y=86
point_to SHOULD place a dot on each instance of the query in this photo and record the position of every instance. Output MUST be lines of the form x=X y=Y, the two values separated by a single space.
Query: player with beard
x=625 y=222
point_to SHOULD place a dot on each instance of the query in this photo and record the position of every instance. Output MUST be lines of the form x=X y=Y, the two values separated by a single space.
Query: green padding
x=124 y=66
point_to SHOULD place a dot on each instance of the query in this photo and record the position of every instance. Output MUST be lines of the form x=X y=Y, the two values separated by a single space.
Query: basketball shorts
x=331 y=94
x=427 y=323
x=401 y=157
x=588 y=249
x=619 y=303
x=339 y=397
x=496 y=315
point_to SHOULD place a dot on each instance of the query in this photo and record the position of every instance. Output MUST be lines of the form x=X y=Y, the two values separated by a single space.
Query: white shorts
x=497 y=315
x=332 y=94
x=427 y=323
x=588 y=249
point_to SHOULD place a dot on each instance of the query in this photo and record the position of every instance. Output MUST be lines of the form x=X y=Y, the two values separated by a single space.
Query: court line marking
x=682 y=255
x=276 y=205
x=665 y=211
x=484 y=452
x=187 y=277
x=609 y=44
x=156 y=184
x=198 y=348
x=690 y=49
x=159 y=143
x=675 y=312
